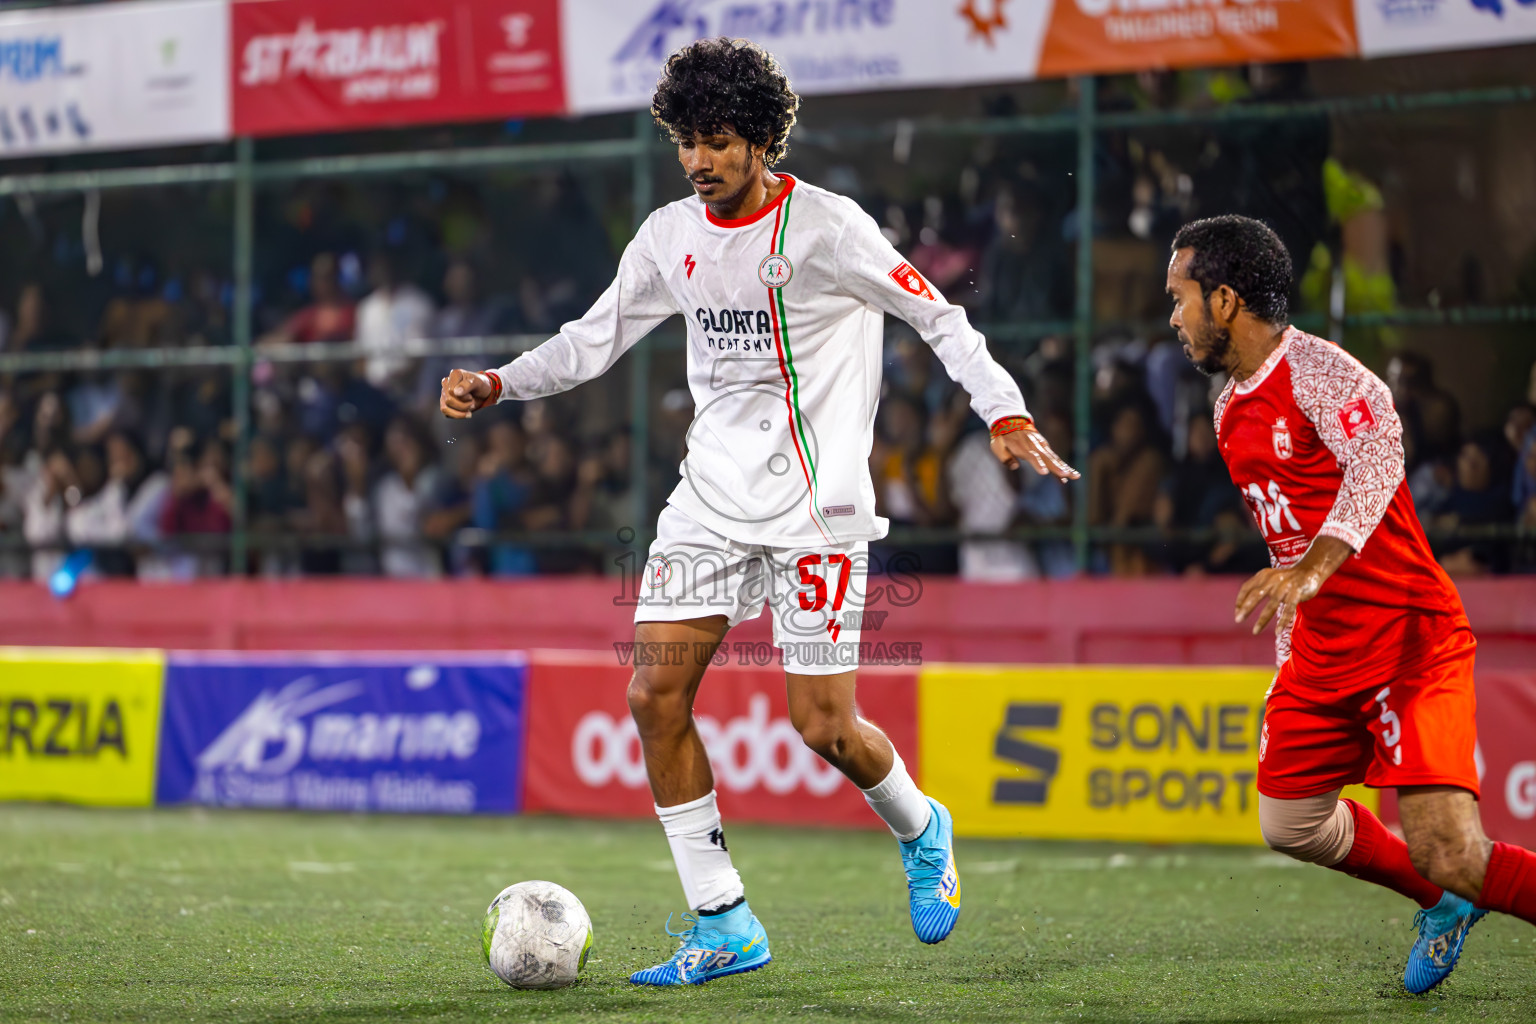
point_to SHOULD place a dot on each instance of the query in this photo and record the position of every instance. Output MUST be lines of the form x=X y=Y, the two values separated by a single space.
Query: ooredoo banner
x=113 y=76
x=307 y=66
x=1390 y=27
x=1149 y=754
x=615 y=49
x=584 y=751
x=1096 y=36
x=79 y=725
x=416 y=734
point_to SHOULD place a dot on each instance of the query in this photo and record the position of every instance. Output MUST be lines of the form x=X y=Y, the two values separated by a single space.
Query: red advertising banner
x=306 y=66
x=583 y=753
x=1506 y=746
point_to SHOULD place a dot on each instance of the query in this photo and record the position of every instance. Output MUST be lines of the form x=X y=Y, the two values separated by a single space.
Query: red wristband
x=495 y=379
x=1012 y=424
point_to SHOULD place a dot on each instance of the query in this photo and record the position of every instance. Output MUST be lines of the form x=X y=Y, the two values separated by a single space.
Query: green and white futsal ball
x=536 y=935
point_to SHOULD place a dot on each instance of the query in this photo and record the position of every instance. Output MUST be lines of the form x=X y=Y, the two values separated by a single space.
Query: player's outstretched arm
x=869 y=267
x=628 y=310
x=1015 y=441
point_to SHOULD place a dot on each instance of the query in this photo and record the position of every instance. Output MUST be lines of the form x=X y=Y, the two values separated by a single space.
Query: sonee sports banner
x=1151 y=754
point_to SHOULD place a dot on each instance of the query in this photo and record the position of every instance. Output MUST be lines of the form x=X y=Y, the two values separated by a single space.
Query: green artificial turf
x=235 y=916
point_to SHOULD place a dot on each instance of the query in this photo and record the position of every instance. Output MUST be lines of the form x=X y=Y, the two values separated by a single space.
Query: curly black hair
x=727 y=83
x=1245 y=255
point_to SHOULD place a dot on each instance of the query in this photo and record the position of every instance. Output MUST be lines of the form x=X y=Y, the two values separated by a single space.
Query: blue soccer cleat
x=1443 y=929
x=729 y=943
x=933 y=883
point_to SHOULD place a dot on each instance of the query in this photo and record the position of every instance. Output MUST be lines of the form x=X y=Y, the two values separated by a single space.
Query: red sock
x=1510 y=882
x=1379 y=856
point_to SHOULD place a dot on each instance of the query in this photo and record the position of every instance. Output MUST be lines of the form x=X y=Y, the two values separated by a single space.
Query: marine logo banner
x=424 y=734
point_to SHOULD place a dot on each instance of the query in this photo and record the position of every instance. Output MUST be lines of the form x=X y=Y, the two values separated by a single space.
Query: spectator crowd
x=349 y=469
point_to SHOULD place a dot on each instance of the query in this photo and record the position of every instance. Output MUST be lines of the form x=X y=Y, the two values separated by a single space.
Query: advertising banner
x=1389 y=27
x=614 y=49
x=584 y=751
x=113 y=76
x=305 y=66
x=1506 y=742
x=1150 y=754
x=79 y=725
x=1089 y=36
x=422 y=734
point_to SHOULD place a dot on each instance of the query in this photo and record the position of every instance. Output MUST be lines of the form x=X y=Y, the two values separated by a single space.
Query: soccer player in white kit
x=784 y=287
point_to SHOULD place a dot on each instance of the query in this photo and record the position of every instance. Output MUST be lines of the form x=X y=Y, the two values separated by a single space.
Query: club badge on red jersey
x=1282 y=437
x=908 y=277
x=1356 y=417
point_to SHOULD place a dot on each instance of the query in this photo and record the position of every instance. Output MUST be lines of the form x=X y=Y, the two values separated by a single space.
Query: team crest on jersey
x=907 y=276
x=1282 y=436
x=658 y=571
x=775 y=271
x=1356 y=417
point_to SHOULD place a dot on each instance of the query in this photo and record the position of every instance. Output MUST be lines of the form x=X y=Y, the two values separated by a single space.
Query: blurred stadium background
x=240 y=242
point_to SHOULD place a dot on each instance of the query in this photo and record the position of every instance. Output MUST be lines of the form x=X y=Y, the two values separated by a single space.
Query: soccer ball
x=536 y=935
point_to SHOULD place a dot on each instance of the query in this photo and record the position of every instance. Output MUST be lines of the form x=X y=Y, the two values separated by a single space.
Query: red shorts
x=1416 y=728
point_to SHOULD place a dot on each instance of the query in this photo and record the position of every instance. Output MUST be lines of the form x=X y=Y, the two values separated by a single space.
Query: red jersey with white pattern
x=1316 y=448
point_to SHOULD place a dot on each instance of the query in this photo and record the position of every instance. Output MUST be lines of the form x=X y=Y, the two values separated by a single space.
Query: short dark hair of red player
x=722 y=83
x=1245 y=255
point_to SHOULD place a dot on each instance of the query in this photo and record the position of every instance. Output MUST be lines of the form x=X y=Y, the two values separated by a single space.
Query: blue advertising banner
x=410 y=734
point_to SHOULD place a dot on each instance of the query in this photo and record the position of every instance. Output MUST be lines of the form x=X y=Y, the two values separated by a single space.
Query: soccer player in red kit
x=1374 y=648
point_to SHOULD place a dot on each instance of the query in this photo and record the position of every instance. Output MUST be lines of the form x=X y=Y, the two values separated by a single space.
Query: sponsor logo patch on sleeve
x=906 y=276
x=1356 y=417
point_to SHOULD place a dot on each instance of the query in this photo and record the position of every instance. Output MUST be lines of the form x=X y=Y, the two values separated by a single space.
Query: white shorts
x=816 y=594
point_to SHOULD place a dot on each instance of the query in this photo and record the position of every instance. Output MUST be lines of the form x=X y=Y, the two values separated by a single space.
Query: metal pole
x=240 y=323
x=640 y=355
x=1083 y=315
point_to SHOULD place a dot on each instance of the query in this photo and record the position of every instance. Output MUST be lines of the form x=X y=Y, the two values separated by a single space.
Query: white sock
x=899 y=802
x=698 y=848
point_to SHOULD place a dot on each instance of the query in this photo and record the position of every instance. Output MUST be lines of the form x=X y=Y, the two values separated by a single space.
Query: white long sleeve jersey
x=784 y=311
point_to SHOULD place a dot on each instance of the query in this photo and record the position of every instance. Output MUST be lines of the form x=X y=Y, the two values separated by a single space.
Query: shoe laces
x=928 y=862
x=694 y=936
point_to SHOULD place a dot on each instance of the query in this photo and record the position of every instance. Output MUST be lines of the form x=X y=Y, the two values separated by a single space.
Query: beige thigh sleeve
x=1317 y=829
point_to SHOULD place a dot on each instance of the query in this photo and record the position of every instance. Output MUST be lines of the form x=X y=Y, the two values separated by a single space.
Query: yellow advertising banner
x=79 y=725
x=1077 y=752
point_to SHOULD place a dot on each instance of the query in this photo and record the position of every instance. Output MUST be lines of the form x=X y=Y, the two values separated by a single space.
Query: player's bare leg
x=725 y=937
x=661 y=702
x=821 y=707
x=1446 y=839
x=1345 y=836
